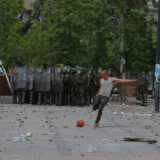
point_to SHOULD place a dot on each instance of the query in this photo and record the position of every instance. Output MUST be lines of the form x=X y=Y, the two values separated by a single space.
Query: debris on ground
x=92 y=149
x=51 y=112
x=150 y=141
x=104 y=140
x=131 y=114
x=1 y=110
x=68 y=149
x=27 y=135
x=19 y=139
x=49 y=134
x=65 y=126
x=156 y=134
x=82 y=154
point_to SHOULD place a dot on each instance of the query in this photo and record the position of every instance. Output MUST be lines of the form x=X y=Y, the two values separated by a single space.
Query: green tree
x=88 y=33
x=10 y=28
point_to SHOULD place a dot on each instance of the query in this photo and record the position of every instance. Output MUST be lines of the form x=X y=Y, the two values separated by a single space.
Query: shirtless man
x=102 y=97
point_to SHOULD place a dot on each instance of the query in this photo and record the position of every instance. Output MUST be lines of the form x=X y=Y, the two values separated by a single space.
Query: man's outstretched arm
x=116 y=80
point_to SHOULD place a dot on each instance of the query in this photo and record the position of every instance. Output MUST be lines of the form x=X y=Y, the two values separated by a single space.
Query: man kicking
x=102 y=97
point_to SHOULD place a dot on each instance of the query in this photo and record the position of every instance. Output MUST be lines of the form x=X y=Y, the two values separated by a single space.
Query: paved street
x=55 y=135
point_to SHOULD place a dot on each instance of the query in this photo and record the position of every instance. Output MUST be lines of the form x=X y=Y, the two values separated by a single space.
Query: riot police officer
x=142 y=88
x=37 y=84
x=73 y=86
x=82 y=82
x=30 y=84
x=65 y=99
x=22 y=84
x=57 y=86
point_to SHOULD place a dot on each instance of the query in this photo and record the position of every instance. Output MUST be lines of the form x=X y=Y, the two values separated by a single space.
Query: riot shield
x=57 y=83
x=22 y=78
x=38 y=79
x=30 y=78
x=14 y=78
x=46 y=80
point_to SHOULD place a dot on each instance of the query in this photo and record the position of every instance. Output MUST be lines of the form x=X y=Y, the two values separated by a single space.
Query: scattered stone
x=51 y=112
x=46 y=121
x=82 y=154
x=75 y=137
x=116 y=140
x=104 y=140
x=50 y=140
x=65 y=126
x=156 y=134
x=21 y=121
x=25 y=117
x=68 y=149
x=147 y=127
x=50 y=126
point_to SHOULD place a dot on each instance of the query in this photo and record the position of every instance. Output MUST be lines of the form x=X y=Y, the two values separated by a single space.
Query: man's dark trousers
x=100 y=102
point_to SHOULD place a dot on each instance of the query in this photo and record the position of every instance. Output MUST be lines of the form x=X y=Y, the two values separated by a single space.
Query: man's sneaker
x=96 y=125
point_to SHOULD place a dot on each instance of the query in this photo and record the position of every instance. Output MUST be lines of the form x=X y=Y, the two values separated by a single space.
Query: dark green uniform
x=73 y=87
x=92 y=86
x=82 y=82
x=142 y=89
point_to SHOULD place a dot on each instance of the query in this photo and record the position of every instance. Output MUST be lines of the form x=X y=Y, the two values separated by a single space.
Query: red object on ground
x=80 y=123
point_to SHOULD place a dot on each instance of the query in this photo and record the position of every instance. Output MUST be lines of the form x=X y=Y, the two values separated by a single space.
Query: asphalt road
x=55 y=135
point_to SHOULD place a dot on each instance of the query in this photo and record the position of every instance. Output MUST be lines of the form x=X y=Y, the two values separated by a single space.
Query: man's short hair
x=104 y=72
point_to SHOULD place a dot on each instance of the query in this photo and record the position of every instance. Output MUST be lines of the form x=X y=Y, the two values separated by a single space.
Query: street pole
x=157 y=63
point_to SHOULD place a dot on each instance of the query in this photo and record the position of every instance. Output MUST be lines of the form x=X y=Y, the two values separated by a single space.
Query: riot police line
x=54 y=85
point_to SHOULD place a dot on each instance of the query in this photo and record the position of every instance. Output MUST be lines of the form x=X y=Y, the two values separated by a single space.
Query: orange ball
x=80 y=123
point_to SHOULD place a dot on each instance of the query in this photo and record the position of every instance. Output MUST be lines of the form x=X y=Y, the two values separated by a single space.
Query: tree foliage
x=88 y=33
